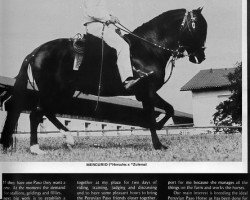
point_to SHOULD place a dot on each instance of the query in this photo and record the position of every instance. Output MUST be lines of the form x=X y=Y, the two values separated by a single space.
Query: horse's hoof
x=163 y=147
x=7 y=143
x=160 y=147
x=35 y=149
x=5 y=150
x=69 y=140
x=68 y=147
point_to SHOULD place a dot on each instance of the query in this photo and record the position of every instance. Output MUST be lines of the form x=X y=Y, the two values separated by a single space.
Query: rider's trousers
x=118 y=43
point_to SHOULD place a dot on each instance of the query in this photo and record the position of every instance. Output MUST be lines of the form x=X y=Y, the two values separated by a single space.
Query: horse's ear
x=200 y=9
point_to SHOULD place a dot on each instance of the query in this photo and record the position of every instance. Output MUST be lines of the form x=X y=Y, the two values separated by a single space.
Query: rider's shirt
x=95 y=10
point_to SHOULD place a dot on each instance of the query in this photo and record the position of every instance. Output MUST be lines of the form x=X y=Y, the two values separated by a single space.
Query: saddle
x=79 y=47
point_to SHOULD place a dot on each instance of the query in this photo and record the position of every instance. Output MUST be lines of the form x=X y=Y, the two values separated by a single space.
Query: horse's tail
x=15 y=104
x=22 y=77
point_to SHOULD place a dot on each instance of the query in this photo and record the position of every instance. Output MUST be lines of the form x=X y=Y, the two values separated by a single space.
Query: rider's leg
x=123 y=53
x=115 y=41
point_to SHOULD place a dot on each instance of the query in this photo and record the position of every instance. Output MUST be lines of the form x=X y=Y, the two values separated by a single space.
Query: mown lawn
x=220 y=147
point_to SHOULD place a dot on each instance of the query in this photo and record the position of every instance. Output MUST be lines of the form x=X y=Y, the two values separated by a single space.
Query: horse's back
x=53 y=62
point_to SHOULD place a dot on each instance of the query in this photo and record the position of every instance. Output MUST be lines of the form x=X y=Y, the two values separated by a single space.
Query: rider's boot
x=131 y=82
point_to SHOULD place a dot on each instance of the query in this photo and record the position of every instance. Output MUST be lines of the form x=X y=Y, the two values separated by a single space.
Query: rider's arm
x=97 y=10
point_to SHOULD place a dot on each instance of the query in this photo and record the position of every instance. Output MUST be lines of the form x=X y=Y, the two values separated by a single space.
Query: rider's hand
x=118 y=31
x=114 y=19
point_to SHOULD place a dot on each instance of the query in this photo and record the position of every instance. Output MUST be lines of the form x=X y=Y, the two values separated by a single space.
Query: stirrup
x=142 y=73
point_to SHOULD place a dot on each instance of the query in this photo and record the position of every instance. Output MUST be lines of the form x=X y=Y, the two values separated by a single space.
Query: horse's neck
x=162 y=31
x=162 y=26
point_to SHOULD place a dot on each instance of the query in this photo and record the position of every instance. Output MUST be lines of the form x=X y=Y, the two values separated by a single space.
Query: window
x=66 y=122
x=103 y=126
x=132 y=129
x=87 y=124
x=118 y=128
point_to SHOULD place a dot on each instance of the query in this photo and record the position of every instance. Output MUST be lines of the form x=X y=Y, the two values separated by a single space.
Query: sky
x=26 y=24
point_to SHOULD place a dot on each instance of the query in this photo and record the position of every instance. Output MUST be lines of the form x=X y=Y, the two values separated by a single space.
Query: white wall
x=73 y=125
x=204 y=104
x=23 y=122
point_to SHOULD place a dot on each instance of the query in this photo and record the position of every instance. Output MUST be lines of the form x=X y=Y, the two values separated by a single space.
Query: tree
x=229 y=112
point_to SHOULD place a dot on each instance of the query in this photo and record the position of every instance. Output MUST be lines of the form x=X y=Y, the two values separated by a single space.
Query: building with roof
x=209 y=88
x=113 y=113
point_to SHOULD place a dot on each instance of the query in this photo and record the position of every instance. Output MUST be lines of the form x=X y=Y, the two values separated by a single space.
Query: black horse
x=176 y=33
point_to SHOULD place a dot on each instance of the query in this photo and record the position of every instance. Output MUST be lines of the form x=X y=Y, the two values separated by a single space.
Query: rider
x=95 y=11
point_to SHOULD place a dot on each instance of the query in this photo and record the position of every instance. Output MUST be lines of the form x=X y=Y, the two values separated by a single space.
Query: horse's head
x=193 y=33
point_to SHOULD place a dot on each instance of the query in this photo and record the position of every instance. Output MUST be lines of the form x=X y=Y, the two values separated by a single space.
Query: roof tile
x=209 y=78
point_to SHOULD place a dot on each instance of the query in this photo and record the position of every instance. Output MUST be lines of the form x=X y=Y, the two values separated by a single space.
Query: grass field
x=205 y=147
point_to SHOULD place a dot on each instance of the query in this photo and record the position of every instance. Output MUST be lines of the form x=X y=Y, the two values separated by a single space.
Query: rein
x=143 y=39
x=101 y=69
x=175 y=53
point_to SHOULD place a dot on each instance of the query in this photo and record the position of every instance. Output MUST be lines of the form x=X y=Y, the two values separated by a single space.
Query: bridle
x=190 y=29
x=147 y=41
x=179 y=51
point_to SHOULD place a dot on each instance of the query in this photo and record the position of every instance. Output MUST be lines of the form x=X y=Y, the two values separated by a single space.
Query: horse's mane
x=165 y=19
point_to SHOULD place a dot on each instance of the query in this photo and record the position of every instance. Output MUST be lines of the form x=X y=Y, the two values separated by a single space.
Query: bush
x=229 y=112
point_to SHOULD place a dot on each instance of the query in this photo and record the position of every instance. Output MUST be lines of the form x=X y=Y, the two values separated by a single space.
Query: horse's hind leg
x=56 y=122
x=35 y=118
x=68 y=137
x=8 y=129
x=13 y=113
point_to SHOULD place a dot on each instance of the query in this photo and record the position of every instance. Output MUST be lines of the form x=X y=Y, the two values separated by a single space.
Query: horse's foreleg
x=35 y=119
x=160 y=103
x=150 y=119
